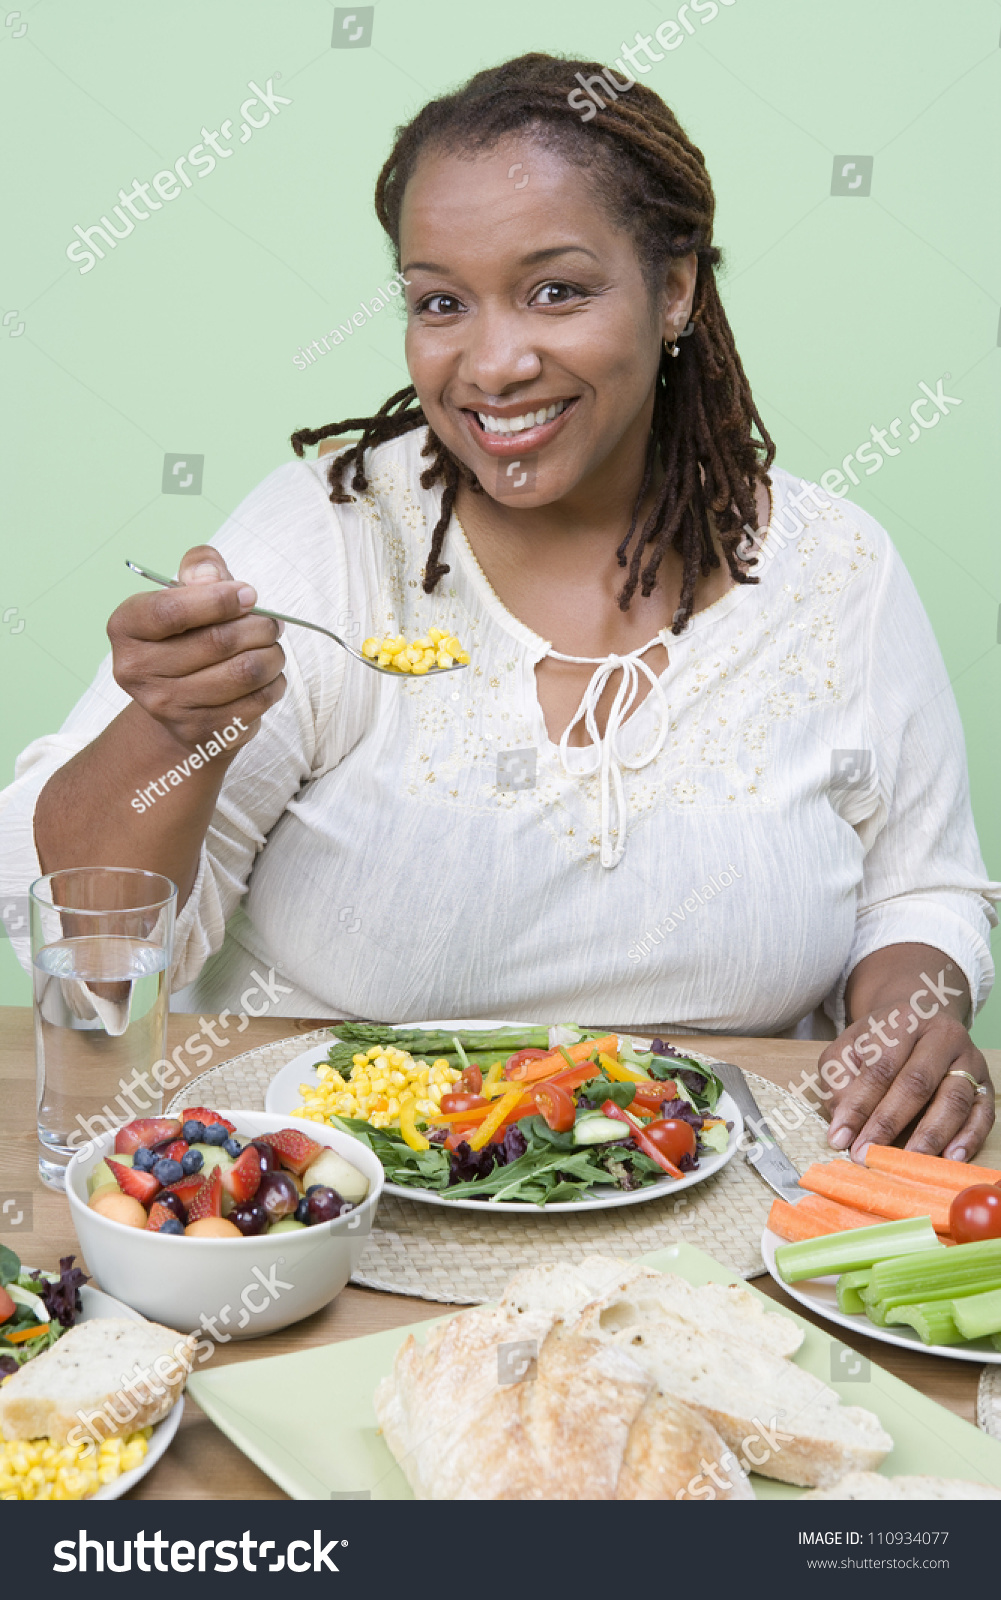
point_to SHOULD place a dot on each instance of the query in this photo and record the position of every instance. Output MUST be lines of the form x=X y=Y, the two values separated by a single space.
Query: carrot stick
x=22 y=1335
x=547 y=1066
x=953 y=1175
x=813 y=1217
x=892 y=1198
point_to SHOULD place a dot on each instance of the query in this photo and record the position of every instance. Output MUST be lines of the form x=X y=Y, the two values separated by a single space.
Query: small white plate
x=96 y=1303
x=819 y=1295
x=283 y=1098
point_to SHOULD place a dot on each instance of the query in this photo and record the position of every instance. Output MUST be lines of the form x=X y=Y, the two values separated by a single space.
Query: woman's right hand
x=193 y=655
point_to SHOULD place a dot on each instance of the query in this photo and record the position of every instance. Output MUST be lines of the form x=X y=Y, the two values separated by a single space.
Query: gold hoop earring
x=671 y=349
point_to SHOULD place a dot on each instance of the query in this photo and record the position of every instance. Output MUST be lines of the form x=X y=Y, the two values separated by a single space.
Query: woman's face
x=533 y=340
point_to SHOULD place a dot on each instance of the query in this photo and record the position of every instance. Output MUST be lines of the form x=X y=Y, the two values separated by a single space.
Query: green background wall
x=182 y=340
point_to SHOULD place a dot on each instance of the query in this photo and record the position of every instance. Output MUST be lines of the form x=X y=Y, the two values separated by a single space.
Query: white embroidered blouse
x=790 y=796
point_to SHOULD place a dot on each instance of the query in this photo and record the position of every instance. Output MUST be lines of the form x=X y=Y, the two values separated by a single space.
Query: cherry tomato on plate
x=975 y=1214
x=462 y=1102
x=557 y=1106
x=471 y=1081
x=531 y=1054
x=673 y=1139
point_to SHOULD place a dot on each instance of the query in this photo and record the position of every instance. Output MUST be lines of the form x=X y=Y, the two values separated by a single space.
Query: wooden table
x=202 y=1463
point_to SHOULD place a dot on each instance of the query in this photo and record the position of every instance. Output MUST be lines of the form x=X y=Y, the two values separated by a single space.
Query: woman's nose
x=498 y=353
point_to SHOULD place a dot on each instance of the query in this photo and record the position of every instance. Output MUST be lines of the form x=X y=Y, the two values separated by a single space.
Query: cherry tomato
x=471 y=1081
x=556 y=1106
x=975 y=1213
x=7 y=1306
x=458 y=1134
x=519 y=1056
x=462 y=1102
x=651 y=1096
x=673 y=1138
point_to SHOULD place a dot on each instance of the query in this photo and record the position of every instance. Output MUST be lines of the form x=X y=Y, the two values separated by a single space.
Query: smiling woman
x=575 y=484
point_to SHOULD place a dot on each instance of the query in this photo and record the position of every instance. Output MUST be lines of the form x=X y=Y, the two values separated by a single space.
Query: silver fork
x=297 y=622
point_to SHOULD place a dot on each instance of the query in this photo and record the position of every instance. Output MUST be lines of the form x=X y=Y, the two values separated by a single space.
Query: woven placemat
x=989 y=1402
x=463 y=1259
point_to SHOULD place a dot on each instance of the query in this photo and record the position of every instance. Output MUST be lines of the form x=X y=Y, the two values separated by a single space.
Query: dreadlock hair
x=654 y=182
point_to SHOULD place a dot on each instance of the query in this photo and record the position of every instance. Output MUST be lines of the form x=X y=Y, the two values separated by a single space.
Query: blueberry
x=192 y=1161
x=215 y=1133
x=171 y=1226
x=232 y=1147
x=144 y=1160
x=302 y=1211
x=193 y=1131
x=168 y=1171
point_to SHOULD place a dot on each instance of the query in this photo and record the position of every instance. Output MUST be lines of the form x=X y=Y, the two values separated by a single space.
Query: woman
x=705 y=765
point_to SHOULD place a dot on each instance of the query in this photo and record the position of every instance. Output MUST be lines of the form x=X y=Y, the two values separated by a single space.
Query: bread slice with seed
x=873 y=1486
x=778 y=1419
x=104 y=1378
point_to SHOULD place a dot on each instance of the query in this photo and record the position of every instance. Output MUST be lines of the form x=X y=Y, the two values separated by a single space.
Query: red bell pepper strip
x=610 y=1109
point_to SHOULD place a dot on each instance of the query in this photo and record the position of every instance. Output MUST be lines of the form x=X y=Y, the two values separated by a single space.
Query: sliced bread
x=779 y=1420
x=873 y=1486
x=103 y=1378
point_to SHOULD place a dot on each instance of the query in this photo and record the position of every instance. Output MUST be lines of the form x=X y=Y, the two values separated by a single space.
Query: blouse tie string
x=605 y=757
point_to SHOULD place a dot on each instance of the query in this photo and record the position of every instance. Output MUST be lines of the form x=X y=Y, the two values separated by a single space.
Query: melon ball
x=118 y=1207
x=100 y=1192
x=213 y=1228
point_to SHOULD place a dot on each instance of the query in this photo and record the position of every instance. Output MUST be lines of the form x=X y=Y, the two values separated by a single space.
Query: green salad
x=36 y=1308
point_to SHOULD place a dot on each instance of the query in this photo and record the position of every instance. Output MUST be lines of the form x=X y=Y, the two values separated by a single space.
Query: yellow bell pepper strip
x=496 y=1115
x=610 y=1109
x=408 y=1127
x=547 y=1066
x=621 y=1073
x=495 y=1075
x=22 y=1335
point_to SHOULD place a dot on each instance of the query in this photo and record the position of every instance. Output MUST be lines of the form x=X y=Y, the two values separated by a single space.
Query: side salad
x=541 y=1116
x=36 y=1308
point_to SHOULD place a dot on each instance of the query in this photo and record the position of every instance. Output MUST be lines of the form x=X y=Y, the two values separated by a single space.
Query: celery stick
x=938 y=1274
x=854 y=1249
x=977 y=1315
x=874 y=1309
x=996 y=1340
x=921 y=1291
x=850 y=1302
x=932 y=1320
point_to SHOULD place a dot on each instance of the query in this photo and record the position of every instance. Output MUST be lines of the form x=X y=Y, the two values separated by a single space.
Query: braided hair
x=654 y=182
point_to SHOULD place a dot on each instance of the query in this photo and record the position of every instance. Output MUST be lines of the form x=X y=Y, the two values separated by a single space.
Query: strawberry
x=186 y=1188
x=176 y=1149
x=295 y=1150
x=159 y=1214
x=142 y=1186
x=208 y=1201
x=203 y=1115
x=144 y=1133
x=242 y=1180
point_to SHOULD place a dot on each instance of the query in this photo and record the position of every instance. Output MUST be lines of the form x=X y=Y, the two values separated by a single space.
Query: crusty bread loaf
x=582 y=1422
x=776 y=1417
x=105 y=1377
x=873 y=1486
x=630 y=1292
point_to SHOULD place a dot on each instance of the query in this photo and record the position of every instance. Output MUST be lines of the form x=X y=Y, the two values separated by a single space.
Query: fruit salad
x=192 y=1175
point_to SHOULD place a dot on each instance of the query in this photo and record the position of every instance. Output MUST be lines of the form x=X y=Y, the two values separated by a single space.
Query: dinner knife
x=767 y=1158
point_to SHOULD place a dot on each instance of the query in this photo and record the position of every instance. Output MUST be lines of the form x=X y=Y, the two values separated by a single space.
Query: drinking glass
x=101 y=945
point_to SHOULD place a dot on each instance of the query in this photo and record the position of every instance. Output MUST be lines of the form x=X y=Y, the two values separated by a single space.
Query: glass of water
x=101 y=944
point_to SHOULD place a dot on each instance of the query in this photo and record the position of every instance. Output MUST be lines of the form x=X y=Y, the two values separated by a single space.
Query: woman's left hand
x=906 y=1065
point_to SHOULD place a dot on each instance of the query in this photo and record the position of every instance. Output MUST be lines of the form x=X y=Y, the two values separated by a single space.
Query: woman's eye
x=440 y=305
x=556 y=294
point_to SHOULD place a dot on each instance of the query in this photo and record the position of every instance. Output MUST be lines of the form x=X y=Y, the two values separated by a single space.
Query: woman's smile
x=518 y=428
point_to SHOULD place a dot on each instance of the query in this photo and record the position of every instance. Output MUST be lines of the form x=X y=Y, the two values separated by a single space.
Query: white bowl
x=228 y=1288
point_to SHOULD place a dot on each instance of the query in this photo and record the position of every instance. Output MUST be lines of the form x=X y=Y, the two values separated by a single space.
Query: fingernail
x=246 y=595
x=281 y=629
x=205 y=572
x=859 y=1155
x=957 y=1155
x=840 y=1138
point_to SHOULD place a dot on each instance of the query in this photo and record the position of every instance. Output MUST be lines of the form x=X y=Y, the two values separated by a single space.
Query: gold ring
x=957 y=1072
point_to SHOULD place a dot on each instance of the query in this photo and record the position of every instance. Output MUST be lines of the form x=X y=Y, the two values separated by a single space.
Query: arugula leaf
x=10 y=1266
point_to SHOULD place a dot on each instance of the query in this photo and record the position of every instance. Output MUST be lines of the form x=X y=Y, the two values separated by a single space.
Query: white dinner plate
x=819 y=1295
x=96 y=1303
x=283 y=1098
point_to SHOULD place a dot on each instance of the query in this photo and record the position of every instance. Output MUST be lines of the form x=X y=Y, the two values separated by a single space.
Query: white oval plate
x=96 y=1303
x=283 y=1097
x=819 y=1295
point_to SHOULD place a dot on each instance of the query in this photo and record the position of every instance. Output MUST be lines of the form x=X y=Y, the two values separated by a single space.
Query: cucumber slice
x=597 y=1129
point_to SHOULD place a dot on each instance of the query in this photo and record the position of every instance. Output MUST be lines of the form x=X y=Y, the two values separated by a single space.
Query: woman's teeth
x=531 y=419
